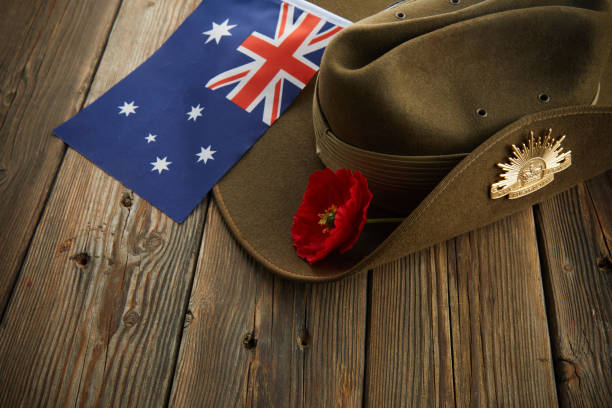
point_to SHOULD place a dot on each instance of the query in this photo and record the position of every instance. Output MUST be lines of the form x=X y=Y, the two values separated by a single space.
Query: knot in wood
x=65 y=246
x=131 y=318
x=9 y=97
x=249 y=341
x=154 y=242
x=147 y=242
x=566 y=370
x=81 y=260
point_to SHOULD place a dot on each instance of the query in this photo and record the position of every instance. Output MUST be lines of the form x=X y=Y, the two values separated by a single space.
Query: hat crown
x=429 y=77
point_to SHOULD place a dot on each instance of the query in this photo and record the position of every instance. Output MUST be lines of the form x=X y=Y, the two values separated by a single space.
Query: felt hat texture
x=425 y=98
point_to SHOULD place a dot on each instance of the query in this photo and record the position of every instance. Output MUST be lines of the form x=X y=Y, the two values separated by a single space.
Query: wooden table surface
x=104 y=301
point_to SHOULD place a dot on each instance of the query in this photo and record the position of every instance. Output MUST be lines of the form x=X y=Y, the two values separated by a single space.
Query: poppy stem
x=384 y=220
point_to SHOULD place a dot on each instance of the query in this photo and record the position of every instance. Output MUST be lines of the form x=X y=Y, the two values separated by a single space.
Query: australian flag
x=173 y=127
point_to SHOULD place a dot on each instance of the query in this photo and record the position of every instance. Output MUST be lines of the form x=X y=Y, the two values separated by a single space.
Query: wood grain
x=48 y=55
x=501 y=349
x=463 y=323
x=409 y=352
x=575 y=229
x=97 y=312
x=257 y=340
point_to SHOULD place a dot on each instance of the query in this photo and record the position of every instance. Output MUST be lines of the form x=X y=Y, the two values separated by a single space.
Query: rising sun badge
x=531 y=167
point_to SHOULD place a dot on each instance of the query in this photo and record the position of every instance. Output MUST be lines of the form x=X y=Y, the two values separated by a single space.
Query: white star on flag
x=218 y=31
x=127 y=108
x=205 y=154
x=196 y=112
x=151 y=138
x=160 y=165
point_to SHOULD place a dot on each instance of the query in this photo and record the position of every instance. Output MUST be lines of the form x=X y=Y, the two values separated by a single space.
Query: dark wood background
x=106 y=302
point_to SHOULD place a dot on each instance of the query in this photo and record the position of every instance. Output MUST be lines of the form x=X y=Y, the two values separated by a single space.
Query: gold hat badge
x=532 y=166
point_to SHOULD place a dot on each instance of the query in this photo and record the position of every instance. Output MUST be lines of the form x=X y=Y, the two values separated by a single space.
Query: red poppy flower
x=332 y=213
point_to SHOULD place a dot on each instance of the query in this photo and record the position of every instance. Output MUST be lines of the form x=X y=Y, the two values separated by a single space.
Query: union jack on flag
x=276 y=60
x=169 y=138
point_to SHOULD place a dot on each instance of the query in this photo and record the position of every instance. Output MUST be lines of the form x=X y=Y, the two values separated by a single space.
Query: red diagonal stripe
x=324 y=36
x=276 y=101
x=226 y=80
x=283 y=19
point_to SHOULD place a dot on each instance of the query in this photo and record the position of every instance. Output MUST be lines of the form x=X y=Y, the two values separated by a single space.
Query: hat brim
x=261 y=193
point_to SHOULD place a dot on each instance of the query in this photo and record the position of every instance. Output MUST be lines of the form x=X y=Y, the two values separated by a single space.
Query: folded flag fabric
x=173 y=127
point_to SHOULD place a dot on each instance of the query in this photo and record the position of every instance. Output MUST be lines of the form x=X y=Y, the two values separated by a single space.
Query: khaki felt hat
x=426 y=98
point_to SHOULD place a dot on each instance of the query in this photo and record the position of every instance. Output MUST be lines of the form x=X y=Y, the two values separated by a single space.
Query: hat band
x=389 y=176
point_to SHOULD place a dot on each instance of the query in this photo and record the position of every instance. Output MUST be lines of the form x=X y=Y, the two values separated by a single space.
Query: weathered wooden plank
x=501 y=348
x=463 y=323
x=257 y=340
x=600 y=193
x=48 y=54
x=97 y=312
x=575 y=229
x=409 y=349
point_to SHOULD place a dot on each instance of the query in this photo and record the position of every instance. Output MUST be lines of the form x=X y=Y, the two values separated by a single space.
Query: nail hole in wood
x=604 y=264
x=81 y=260
x=126 y=200
x=249 y=341
x=303 y=339
x=188 y=318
